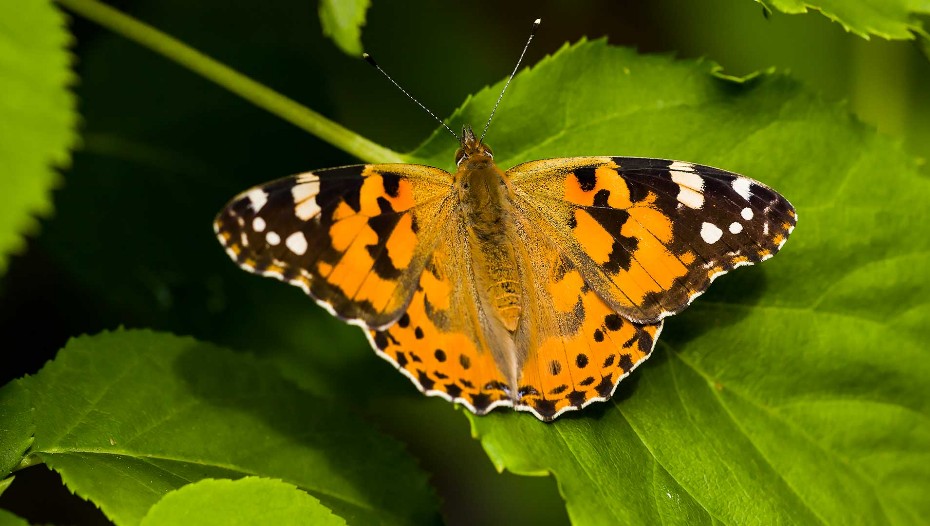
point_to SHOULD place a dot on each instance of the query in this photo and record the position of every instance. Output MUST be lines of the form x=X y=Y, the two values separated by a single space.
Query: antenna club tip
x=537 y=22
x=370 y=60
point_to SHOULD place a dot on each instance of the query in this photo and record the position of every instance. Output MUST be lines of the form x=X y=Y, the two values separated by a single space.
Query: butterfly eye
x=489 y=152
x=459 y=155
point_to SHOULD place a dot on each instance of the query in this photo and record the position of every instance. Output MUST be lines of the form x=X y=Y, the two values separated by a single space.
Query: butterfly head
x=472 y=151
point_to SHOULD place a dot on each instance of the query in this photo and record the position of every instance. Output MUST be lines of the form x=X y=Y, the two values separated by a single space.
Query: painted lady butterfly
x=538 y=288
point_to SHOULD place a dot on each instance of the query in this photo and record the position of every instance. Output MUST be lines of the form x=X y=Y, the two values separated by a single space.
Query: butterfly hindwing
x=438 y=342
x=650 y=235
x=578 y=347
x=355 y=238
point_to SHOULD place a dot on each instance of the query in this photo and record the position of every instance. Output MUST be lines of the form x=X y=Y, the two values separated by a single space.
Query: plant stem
x=252 y=91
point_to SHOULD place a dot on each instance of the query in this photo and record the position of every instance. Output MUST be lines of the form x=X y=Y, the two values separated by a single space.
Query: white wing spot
x=272 y=238
x=690 y=184
x=746 y=213
x=710 y=233
x=258 y=224
x=735 y=228
x=297 y=243
x=741 y=185
x=257 y=198
x=304 y=196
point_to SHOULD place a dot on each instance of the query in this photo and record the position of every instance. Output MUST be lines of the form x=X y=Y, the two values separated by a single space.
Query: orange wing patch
x=570 y=372
x=434 y=342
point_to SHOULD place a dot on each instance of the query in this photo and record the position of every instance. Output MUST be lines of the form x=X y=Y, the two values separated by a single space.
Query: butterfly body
x=539 y=287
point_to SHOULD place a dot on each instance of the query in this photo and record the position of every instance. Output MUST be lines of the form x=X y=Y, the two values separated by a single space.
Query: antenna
x=371 y=61
x=515 y=68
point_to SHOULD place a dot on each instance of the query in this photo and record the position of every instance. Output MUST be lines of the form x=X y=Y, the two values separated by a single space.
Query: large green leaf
x=250 y=500
x=891 y=19
x=37 y=117
x=126 y=417
x=795 y=391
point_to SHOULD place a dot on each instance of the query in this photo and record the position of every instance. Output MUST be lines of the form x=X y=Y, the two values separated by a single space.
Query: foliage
x=791 y=392
x=892 y=19
x=763 y=403
x=250 y=500
x=342 y=21
x=126 y=417
x=37 y=117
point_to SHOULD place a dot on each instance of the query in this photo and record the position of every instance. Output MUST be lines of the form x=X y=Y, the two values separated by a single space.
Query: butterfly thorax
x=485 y=204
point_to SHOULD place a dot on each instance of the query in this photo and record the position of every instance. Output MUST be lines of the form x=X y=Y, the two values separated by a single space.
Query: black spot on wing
x=586 y=177
x=645 y=340
x=453 y=390
x=605 y=387
x=581 y=361
x=626 y=363
x=401 y=359
x=480 y=401
x=391 y=183
x=576 y=398
x=613 y=322
x=425 y=381
x=464 y=361
x=545 y=408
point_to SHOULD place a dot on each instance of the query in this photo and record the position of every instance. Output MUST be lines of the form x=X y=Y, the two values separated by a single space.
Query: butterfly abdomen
x=486 y=210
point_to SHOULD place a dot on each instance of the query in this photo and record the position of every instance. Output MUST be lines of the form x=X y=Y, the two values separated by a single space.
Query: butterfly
x=538 y=288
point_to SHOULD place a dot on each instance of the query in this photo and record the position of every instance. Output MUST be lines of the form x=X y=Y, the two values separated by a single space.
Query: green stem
x=252 y=91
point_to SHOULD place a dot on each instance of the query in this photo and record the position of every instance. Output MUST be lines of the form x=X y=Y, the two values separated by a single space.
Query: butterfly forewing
x=650 y=235
x=355 y=238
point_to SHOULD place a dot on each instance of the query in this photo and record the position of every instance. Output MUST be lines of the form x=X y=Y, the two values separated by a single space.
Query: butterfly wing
x=570 y=346
x=577 y=347
x=440 y=342
x=649 y=235
x=354 y=238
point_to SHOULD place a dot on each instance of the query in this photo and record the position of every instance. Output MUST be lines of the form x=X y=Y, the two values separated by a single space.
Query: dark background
x=130 y=243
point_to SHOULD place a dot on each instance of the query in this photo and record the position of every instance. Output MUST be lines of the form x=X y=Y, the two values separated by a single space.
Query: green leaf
x=250 y=500
x=16 y=426
x=37 y=117
x=342 y=21
x=8 y=519
x=795 y=391
x=126 y=417
x=890 y=19
x=5 y=483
